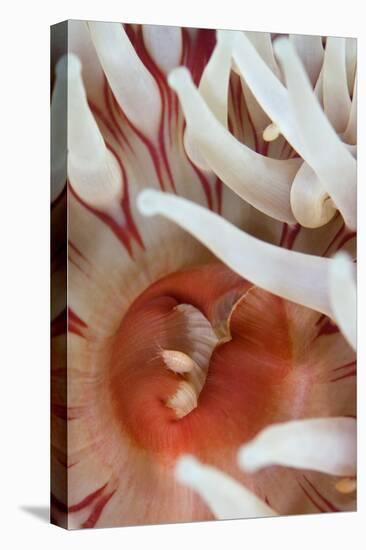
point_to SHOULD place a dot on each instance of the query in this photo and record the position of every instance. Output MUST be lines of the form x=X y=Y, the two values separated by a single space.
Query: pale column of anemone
x=307 y=188
x=325 y=181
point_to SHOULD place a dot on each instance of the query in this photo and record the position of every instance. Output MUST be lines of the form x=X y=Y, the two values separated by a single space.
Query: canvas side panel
x=59 y=34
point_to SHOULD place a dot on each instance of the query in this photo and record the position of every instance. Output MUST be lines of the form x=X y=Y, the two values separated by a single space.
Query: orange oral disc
x=244 y=373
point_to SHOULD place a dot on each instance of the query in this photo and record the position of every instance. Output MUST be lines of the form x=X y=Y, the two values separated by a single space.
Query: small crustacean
x=178 y=361
x=185 y=399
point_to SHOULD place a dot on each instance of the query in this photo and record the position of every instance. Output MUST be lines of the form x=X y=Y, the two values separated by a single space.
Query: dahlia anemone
x=211 y=199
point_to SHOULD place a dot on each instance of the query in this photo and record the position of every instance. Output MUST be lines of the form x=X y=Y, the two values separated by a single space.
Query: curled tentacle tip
x=178 y=76
x=61 y=66
x=186 y=469
x=282 y=46
x=248 y=458
x=69 y=66
x=344 y=261
x=146 y=202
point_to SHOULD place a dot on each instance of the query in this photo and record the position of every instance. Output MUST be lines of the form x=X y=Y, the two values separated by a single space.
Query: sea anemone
x=209 y=366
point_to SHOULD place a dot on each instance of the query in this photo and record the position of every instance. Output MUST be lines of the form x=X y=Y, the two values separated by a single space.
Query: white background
x=24 y=269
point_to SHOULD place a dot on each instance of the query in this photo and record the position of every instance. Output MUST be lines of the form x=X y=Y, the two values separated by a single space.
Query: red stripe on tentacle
x=114 y=112
x=197 y=51
x=350 y=235
x=205 y=185
x=113 y=127
x=129 y=229
x=110 y=102
x=232 y=97
x=164 y=154
x=95 y=515
x=326 y=326
x=205 y=43
x=149 y=146
x=125 y=142
x=240 y=104
x=286 y=150
x=348 y=365
x=312 y=500
x=126 y=207
x=264 y=149
x=73 y=463
x=341 y=238
x=218 y=191
x=75 y=324
x=166 y=94
x=137 y=41
x=87 y=500
x=331 y=507
x=78 y=252
x=130 y=223
x=252 y=125
x=335 y=238
x=235 y=111
x=343 y=376
x=267 y=501
x=120 y=232
x=118 y=113
x=73 y=262
x=283 y=234
x=203 y=180
x=293 y=233
x=166 y=101
x=347 y=371
x=289 y=235
x=167 y=107
x=230 y=122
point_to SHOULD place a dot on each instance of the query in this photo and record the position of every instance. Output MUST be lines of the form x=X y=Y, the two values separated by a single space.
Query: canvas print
x=203 y=187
